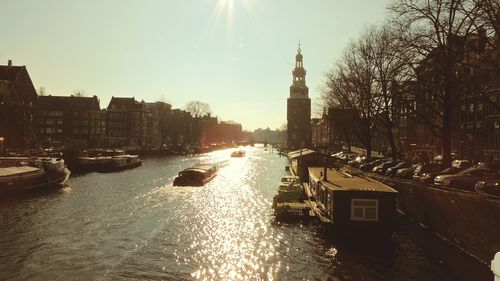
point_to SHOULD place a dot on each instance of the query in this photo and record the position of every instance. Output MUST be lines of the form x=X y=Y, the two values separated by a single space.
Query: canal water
x=134 y=225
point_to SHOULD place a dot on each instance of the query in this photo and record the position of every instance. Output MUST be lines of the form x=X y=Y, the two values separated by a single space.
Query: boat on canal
x=351 y=201
x=290 y=189
x=21 y=174
x=289 y=203
x=238 y=153
x=119 y=163
x=105 y=160
x=197 y=175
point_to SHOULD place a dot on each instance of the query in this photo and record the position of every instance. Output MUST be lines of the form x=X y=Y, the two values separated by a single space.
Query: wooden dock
x=314 y=206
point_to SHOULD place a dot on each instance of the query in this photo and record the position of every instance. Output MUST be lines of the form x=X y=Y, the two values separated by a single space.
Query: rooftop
x=297 y=153
x=341 y=181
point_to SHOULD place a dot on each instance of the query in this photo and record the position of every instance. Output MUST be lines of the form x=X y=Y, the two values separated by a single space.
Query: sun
x=226 y=9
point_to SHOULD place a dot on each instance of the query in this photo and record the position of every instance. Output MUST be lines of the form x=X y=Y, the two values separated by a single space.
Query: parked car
x=380 y=169
x=358 y=161
x=407 y=173
x=369 y=166
x=428 y=169
x=461 y=164
x=391 y=171
x=491 y=187
x=495 y=165
x=439 y=158
x=466 y=179
x=429 y=177
x=344 y=156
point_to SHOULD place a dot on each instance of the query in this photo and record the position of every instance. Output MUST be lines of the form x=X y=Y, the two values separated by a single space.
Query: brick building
x=126 y=123
x=18 y=99
x=63 y=118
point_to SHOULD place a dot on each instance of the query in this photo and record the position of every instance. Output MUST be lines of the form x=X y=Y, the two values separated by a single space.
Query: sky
x=235 y=55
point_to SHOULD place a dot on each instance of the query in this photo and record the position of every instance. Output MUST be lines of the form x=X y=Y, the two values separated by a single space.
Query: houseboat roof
x=296 y=153
x=342 y=181
x=13 y=171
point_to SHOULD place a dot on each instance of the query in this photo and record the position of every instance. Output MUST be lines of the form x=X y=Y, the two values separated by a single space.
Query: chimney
x=9 y=63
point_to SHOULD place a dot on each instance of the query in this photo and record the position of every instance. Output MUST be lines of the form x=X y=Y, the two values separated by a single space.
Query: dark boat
x=119 y=163
x=353 y=202
x=238 y=153
x=20 y=174
x=96 y=160
x=197 y=175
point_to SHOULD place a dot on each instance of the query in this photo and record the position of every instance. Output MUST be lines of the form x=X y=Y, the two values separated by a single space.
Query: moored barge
x=197 y=175
x=353 y=202
x=21 y=174
x=119 y=163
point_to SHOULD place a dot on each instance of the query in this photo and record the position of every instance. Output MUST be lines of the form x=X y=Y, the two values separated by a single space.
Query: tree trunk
x=347 y=140
x=392 y=143
x=369 y=147
x=447 y=129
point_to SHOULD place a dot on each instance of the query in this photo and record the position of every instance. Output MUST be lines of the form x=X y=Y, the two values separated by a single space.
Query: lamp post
x=1 y=145
x=325 y=161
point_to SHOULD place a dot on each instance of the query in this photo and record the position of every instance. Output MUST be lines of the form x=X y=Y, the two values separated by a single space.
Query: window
x=364 y=209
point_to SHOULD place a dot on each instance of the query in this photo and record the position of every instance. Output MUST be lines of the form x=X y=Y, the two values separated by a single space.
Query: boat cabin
x=196 y=176
x=302 y=160
x=238 y=153
x=352 y=200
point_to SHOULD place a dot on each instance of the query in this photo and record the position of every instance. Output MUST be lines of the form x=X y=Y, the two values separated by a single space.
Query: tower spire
x=299 y=88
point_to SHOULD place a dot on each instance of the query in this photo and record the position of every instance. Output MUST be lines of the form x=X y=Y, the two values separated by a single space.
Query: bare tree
x=42 y=92
x=79 y=93
x=350 y=86
x=198 y=109
x=434 y=31
x=389 y=68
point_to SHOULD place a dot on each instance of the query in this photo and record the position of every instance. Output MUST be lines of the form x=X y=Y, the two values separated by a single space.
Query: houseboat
x=20 y=174
x=289 y=202
x=90 y=164
x=238 y=153
x=290 y=189
x=95 y=160
x=352 y=201
x=197 y=175
x=119 y=163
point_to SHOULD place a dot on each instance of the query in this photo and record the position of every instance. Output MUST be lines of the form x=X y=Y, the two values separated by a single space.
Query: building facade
x=299 y=108
x=18 y=99
x=320 y=132
x=157 y=119
x=126 y=123
x=64 y=118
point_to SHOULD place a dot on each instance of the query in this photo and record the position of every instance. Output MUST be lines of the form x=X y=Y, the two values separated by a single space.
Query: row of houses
x=417 y=110
x=28 y=120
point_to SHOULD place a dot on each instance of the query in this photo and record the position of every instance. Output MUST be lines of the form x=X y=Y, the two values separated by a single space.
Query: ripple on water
x=135 y=225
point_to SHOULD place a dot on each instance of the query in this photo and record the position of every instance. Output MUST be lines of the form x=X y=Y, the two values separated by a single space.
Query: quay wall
x=468 y=219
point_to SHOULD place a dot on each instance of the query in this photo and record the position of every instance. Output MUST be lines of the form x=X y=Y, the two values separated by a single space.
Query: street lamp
x=1 y=145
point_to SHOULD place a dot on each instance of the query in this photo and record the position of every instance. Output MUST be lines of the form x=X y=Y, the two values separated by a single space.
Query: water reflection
x=136 y=225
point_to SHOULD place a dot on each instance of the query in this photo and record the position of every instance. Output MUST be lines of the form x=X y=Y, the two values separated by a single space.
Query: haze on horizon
x=236 y=55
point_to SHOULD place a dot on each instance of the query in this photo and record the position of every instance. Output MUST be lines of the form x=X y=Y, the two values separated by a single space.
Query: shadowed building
x=299 y=108
x=17 y=107
x=127 y=123
x=157 y=118
x=64 y=118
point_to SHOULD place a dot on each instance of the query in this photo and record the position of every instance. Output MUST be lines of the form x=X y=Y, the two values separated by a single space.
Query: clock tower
x=298 y=108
